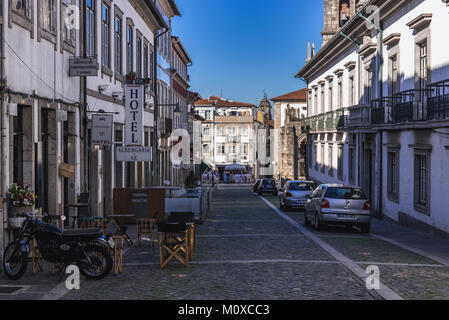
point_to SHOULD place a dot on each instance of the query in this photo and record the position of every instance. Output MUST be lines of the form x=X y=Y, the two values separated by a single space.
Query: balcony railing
x=359 y=115
x=438 y=102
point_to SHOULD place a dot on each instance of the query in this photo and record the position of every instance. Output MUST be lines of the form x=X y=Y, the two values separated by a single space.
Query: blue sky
x=243 y=47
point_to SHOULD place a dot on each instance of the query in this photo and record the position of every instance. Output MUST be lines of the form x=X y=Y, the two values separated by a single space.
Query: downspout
x=156 y=112
x=306 y=162
x=4 y=130
x=380 y=92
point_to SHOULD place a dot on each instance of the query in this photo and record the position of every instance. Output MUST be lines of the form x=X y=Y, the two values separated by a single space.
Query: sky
x=243 y=48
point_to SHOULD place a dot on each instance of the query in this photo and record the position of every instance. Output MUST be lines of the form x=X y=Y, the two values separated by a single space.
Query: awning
x=235 y=167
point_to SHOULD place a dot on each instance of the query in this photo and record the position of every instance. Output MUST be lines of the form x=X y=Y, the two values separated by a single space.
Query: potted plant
x=20 y=200
x=131 y=76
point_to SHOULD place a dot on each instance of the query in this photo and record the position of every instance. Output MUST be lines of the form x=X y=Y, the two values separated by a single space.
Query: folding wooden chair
x=146 y=227
x=189 y=219
x=118 y=254
x=173 y=242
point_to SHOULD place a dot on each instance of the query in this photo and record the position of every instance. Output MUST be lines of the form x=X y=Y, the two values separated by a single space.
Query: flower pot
x=16 y=222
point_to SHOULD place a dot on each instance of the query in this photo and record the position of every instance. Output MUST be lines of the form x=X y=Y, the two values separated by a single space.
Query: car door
x=283 y=191
x=310 y=206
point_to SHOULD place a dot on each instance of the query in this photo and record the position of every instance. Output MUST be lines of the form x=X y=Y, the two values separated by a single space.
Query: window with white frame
x=118 y=45
x=423 y=60
x=340 y=162
x=221 y=149
x=105 y=46
x=139 y=57
x=330 y=159
x=68 y=34
x=90 y=28
x=22 y=7
x=129 y=49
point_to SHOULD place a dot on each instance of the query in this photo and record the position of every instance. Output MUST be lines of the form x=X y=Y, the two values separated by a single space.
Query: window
x=340 y=93
x=422 y=177
x=139 y=58
x=394 y=75
x=90 y=28
x=243 y=131
x=206 y=131
x=351 y=101
x=244 y=149
x=369 y=85
x=393 y=175
x=315 y=107
x=423 y=64
x=221 y=149
x=206 y=148
x=322 y=100
x=316 y=157
x=68 y=34
x=340 y=162
x=22 y=7
x=118 y=45
x=330 y=159
x=47 y=15
x=330 y=97
x=207 y=115
x=232 y=131
x=221 y=131
x=129 y=49
x=145 y=61
x=106 y=38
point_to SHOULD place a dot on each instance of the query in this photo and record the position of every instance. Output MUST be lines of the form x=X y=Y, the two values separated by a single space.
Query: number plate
x=111 y=242
x=347 y=216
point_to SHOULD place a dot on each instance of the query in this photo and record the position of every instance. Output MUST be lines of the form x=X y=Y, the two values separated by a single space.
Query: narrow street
x=247 y=250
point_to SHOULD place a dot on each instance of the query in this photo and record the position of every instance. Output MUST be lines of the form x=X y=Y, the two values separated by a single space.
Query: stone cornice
x=392 y=39
x=420 y=22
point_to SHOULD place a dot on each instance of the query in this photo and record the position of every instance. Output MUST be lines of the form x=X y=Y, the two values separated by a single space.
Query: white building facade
x=378 y=110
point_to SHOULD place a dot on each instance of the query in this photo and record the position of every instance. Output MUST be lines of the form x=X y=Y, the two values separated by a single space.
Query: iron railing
x=438 y=101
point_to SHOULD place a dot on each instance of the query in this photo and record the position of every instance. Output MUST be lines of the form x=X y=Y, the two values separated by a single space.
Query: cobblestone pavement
x=246 y=250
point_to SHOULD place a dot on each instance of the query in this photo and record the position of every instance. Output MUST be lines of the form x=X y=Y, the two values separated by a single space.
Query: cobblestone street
x=245 y=250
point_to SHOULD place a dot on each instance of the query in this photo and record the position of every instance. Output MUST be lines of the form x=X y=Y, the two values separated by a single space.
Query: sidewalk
x=428 y=245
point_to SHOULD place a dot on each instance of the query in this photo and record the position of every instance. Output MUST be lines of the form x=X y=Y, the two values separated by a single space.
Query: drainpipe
x=380 y=93
x=4 y=131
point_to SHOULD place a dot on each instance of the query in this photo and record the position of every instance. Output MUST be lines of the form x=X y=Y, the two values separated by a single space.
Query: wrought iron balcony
x=438 y=101
x=358 y=116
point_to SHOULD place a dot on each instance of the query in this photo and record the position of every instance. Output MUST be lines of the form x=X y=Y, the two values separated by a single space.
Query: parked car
x=294 y=194
x=338 y=204
x=267 y=186
x=256 y=185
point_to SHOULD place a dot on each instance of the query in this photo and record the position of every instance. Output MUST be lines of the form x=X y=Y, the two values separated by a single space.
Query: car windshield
x=345 y=193
x=268 y=182
x=300 y=186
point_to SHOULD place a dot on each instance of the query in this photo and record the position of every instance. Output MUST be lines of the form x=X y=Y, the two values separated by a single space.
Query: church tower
x=336 y=14
x=265 y=107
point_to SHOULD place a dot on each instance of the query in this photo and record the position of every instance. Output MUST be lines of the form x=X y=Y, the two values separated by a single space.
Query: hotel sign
x=133 y=154
x=102 y=126
x=134 y=103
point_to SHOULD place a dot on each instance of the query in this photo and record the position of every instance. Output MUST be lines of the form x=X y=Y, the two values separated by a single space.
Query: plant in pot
x=20 y=199
x=131 y=76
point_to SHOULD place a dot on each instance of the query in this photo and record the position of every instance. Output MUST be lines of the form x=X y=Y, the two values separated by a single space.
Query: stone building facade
x=378 y=111
x=289 y=109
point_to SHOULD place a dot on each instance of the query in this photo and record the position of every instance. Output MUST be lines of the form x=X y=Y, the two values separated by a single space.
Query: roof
x=178 y=41
x=295 y=95
x=220 y=102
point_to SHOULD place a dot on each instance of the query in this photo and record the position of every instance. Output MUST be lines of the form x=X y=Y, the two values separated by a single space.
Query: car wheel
x=365 y=228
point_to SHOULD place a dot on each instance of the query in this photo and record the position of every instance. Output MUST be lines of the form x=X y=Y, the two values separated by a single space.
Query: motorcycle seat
x=82 y=234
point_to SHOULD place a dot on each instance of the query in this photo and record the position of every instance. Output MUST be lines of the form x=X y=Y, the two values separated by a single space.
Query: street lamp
x=177 y=111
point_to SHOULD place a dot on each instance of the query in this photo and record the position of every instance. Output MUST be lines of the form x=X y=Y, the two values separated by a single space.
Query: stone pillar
x=96 y=181
x=72 y=159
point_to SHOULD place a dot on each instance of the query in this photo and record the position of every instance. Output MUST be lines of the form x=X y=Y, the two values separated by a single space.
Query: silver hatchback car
x=294 y=194
x=338 y=204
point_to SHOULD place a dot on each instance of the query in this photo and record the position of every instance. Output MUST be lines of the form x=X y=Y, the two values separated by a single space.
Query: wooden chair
x=173 y=242
x=118 y=253
x=189 y=219
x=37 y=262
x=145 y=227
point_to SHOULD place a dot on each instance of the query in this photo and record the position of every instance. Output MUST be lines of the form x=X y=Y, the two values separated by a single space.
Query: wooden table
x=120 y=222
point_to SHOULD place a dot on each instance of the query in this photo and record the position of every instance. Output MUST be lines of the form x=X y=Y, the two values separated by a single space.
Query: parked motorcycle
x=86 y=248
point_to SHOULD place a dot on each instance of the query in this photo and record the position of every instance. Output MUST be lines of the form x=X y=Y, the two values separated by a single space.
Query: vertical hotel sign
x=134 y=100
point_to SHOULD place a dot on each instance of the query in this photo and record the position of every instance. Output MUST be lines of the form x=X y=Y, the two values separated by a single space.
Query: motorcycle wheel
x=15 y=261
x=101 y=263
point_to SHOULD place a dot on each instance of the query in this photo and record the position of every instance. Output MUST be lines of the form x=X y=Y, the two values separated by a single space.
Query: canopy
x=235 y=167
